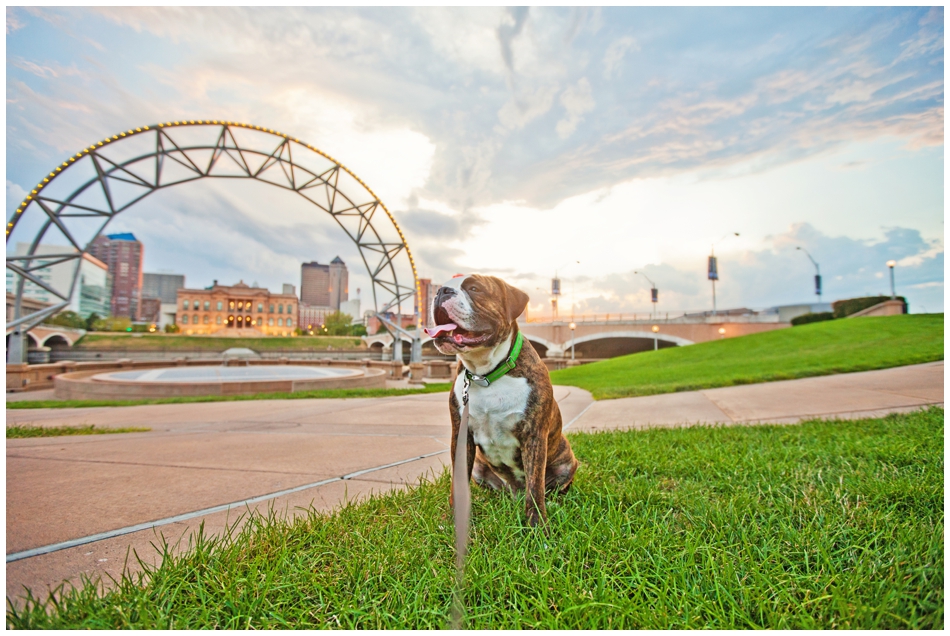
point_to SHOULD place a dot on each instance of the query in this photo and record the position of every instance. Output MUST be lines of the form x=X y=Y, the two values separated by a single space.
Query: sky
x=608 y=146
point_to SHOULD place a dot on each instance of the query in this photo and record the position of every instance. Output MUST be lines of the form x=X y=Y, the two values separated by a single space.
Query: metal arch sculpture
x=124 y=169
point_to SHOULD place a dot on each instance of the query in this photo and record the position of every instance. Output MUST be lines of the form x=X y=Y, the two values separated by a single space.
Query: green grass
x=19 y=432
x=820 y=525
x=148 y=342
x=824 y=348
x=299 y=395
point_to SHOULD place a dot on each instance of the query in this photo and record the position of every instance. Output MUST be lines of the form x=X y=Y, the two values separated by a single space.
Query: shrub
x=172 y=329
x=113 y=323
x=67 y=319
x=804 y=319
x=844 y=308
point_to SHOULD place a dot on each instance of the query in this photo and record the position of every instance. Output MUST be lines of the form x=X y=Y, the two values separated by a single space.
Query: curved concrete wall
x=80 y=385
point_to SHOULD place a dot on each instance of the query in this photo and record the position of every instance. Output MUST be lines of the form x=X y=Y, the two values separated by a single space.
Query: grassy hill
x=837 y=346
x=153 y=342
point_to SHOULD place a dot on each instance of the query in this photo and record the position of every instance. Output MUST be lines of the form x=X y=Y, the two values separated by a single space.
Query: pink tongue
x=432 y=333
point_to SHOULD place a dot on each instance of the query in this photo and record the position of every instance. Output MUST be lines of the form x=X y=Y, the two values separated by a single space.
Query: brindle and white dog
x=514 y=437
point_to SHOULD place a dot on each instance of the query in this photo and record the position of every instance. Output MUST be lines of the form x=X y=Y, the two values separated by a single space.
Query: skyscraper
x=423 y=300
x=324 y=285
x=123 y=254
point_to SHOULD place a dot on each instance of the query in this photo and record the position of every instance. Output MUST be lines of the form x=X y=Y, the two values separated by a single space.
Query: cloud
x=779 y=274
x=14 y=23
x=615 y=53
x=493 y=109
x=508 y=30
x=577 y=101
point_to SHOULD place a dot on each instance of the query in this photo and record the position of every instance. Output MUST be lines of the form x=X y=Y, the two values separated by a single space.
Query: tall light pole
x=654 y=293
x=713 y=269
x=891 y=265
x=656 y=328
x=573 y=327
x=817 y=272
x=556 y=290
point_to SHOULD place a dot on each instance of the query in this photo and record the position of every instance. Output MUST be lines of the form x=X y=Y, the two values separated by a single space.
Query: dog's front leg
x=534 y=457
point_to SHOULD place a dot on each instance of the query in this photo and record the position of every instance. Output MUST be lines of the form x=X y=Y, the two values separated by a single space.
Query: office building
x=324 y=285
x=123 y=254
x=91 y=295
x=159 y=298
x=162 y=286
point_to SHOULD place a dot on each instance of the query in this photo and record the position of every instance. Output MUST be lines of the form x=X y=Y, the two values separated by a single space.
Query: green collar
x=501 y=369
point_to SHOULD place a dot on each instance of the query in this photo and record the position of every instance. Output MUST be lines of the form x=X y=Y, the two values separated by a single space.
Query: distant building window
x=270 y=322
x=271 y=309
x=123 y=269
x=207 y=319
x=260 y=308
x=195 y=319
x=220 y=306
x=280 y=309
x=207 y=305
x=184 y=319
x=218 y=319
x=290 y=323
x=280 y=322
x=184 y=304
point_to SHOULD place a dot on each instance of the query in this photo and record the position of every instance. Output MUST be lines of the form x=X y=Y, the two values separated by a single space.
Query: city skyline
x=516 y=142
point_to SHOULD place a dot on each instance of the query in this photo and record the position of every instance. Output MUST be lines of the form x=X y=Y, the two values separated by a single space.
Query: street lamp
x=712 y=271
x=556 y=290
x=654 y=293
x=891 y=264
x=722 y=332
x=656 y=328
x=817 y=272
x=573 y=327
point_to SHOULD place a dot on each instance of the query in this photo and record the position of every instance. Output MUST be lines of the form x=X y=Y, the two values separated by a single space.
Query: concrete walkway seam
x=578 y=416
x=46 y=549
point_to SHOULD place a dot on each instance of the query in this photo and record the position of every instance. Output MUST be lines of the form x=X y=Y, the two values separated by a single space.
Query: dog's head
x=474 y=312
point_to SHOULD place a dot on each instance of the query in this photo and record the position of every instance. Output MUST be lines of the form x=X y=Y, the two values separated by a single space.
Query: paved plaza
x=103 y=495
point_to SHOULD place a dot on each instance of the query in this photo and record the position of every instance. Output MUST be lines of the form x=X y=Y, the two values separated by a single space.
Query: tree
x=337 y=324
x=67 y=319
x=91 y=321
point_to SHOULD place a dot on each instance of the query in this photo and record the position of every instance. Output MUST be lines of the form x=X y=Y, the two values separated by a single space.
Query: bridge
x=612 y=335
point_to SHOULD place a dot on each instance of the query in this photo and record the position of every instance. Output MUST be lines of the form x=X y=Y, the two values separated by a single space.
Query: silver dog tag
x=479 y=380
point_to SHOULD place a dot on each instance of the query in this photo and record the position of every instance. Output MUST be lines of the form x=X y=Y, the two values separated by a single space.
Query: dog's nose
x=443 y=293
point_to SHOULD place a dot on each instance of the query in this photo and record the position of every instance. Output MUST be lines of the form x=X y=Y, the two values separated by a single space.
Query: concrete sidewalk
x=844 y=396
x=107 y=491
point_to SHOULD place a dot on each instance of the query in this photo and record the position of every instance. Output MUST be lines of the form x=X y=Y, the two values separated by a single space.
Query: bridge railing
x=683 y=317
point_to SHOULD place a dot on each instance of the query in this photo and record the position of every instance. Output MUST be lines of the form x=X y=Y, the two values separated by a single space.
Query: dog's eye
x=473 y=288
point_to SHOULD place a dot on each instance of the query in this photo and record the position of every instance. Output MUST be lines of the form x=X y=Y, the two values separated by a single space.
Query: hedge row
x=844 y=308
x=804 y=319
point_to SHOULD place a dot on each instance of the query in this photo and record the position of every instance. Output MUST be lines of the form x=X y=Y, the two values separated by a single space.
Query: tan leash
x=462 y=498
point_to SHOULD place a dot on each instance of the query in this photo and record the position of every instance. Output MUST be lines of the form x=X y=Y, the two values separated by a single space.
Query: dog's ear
x=517 y=301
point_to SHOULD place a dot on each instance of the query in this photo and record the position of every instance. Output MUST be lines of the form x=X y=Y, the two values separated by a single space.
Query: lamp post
x=655 y=329
x=654 y=293
x=573 y=327
x=712 y=271
x=556 y=290
x=722 y=333
x=891 y=265
x=817 y=272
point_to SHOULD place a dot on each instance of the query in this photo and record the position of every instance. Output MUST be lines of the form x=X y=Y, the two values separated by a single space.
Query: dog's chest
x=494 y=412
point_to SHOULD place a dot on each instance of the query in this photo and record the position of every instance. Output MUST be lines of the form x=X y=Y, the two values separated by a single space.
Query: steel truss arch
x=131 y=165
